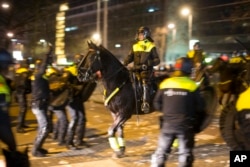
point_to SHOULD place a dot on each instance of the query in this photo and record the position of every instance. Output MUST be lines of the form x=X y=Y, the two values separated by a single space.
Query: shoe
x=61 y=143
x=71 y=147
x=20 y=130
x=82 y=143
x=44 y=151
x=38 y=153
x=25 y=126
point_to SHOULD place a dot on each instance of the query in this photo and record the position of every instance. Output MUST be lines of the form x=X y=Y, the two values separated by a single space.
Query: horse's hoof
x=118 y=154
x=145 y=107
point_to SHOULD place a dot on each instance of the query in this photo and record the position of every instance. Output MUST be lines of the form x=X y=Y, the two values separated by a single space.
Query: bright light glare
x=171 y=25
x=10 y=34
x=96 y=36
x=117 y=45
x=185 y=11
x=5 y=5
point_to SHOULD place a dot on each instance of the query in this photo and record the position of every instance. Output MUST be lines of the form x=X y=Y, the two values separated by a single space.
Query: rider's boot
x=145 y=107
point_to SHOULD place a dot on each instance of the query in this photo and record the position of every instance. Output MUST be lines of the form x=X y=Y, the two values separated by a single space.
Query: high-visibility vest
x=243 y=101
x=72 y=69
x=4 y=89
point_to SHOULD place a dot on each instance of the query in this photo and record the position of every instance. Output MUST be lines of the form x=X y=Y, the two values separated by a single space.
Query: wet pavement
x=141 y=134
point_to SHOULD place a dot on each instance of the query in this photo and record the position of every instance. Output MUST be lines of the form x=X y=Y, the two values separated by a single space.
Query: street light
x=5 y=5
x=187 y=12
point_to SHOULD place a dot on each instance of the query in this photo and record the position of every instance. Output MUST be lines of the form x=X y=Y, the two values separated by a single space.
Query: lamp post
x=187 y=12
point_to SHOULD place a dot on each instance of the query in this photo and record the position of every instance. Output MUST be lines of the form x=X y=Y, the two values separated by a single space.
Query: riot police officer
x=144 y=55
x=243 y=116
x=180 y=102
x=77 y=123
x=6 y=134
x=22 y=88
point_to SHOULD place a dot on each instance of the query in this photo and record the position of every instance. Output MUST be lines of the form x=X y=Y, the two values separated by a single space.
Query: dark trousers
x=22 y=102
x=6 y=134
x=186 y=145
x=77 y=123
x=60 y=127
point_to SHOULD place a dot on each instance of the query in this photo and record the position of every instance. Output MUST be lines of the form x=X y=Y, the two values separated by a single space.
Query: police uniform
x=145 y=56
x=243 y=113
x=22 y=88
x=40 y=102
x=6 y=134
x=77 y=123
x=179 y=100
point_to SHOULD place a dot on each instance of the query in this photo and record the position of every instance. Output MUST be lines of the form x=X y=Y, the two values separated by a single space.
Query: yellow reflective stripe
x=190 y=54
x=4 y=89
x=114 y=144
x=32 y=78
x=21 y=70
x=179 y=83
x=175 y=143
x=243 y=101
x=111 y=96
x=236 y=60
x=45 y=77
x=72 y=70
x=121 y=142
x=143 y=46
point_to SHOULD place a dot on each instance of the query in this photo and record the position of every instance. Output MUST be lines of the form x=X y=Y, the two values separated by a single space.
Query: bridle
x=85 y=74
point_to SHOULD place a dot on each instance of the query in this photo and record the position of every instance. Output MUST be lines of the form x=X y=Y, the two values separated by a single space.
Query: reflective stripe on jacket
x=243 y=101
x=4 y=89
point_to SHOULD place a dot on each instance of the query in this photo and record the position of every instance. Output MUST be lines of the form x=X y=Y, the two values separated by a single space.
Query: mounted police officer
x=197 y=55
x=6 y=134
x=22 y=84
x=145 y=56
x=40 y=102
x=180 y=101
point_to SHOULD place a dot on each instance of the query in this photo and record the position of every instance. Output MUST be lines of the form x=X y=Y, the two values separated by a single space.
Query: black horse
x=231 y=79
x=119 y=92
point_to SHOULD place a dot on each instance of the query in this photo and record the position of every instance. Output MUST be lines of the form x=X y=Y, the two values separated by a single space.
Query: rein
x=114 y=92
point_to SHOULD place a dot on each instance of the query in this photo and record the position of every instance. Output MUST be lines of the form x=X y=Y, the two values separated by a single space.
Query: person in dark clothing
x=6 y=134
x=22 y=88
x=39 y=106
x=77 y=125
x=145 y=56
x=180 y=101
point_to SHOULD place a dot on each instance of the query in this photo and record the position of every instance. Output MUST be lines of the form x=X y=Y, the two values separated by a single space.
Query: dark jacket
x=143 y=53
x=22 y=81
x=180 y=101
x=40 y=84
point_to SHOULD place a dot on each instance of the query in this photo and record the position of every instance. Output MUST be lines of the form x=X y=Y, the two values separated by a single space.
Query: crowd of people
x=178 y=98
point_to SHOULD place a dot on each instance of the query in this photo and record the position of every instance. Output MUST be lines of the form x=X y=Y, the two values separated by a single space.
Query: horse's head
x=218 y=65
x=90 y=63
x=16 y=158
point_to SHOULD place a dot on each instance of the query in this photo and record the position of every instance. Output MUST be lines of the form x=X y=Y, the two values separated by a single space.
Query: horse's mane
x=113 y=58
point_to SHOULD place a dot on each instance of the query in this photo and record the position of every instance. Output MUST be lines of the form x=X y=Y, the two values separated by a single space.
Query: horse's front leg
x=117 y=143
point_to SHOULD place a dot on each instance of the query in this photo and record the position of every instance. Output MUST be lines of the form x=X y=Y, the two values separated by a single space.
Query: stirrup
x=145 y=107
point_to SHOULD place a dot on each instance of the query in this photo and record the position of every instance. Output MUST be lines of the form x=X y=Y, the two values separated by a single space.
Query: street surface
x=141 y=134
